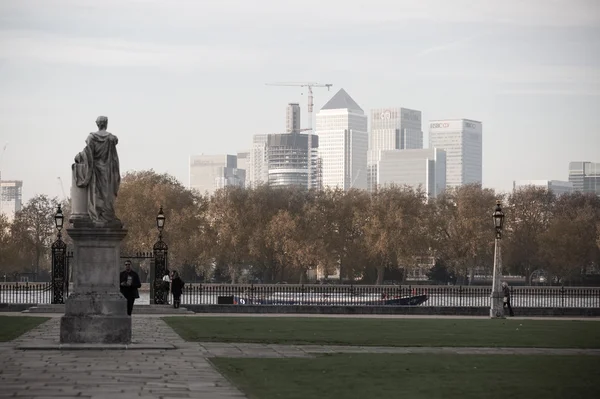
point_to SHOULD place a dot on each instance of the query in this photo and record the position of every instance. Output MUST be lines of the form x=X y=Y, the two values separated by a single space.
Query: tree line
x=272 y=234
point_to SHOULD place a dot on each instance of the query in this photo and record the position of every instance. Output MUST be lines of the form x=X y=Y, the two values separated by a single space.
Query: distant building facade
x=557 y=187
x=392 y=129
x=292 y=118
x=462 y=141
x=343 y=143
x=288 y=158
x=243 y=163
x=209 y=173
x=11 y=198
x=425 y=168
x=585 y=176
x=258 y=170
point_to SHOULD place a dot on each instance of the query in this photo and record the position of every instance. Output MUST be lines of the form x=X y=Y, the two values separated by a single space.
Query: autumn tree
x=341 y=210
x=462 y=228
x=228 y=215
x=33 y=231
x=569 y=245
x=140 y=196
x=528 y=215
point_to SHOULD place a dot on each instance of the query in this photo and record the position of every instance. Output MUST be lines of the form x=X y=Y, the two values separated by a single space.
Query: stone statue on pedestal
x=96 y=176
x=96 y=312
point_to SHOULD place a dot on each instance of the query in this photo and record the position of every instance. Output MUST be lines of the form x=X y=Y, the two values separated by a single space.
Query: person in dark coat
x=506 y=291
x=130 y=282
x=176 y=289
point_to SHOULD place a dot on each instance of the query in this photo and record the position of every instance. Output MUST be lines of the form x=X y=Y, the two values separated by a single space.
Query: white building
x=425 y=168
x=392 y=129
x=462 y=141
x=258 y=172
x=558 y=187
x=343 y=143
x=209 y=173
x=11 y=198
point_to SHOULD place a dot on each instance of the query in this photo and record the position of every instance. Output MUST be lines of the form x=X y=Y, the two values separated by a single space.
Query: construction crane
x=62 y=187
x=310 y=86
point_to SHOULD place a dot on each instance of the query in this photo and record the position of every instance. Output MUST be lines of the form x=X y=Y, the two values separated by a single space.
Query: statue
x=96 y=173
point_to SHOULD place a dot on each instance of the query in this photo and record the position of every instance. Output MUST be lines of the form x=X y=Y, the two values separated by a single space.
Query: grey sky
x=183 y=77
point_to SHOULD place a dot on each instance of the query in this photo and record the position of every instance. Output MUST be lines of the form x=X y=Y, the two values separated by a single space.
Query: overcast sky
x=177 y=78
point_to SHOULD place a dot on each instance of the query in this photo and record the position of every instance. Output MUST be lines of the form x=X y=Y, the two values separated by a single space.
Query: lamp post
x=160 y=255
x=59 y=261
x=160 y=222
x=58 y=221
x=497 y=307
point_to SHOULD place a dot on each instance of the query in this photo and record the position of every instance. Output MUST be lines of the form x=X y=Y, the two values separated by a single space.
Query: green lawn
x=390 y=332
x=414 y=376
x=13 y=326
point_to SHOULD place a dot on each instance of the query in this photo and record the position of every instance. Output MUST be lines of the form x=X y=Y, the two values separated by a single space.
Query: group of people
x=174 y=284
x=130 y=284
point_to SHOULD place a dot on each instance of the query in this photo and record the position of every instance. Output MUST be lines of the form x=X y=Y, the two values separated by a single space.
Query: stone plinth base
x=95 y=329
x=497 y=308
x=96 y=312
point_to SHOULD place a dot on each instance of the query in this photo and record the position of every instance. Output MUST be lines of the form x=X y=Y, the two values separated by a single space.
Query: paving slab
x=149 y=371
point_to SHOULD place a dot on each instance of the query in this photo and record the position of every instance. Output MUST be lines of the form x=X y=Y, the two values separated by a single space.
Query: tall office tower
x=11 y=198
x=211 y=172
x=425 y=168
x=462 y=141
x=292 y=118
x=258 y=162
x=243 y=163
x=392 y=129
x=288 y=157
x=343 y=143
x=557 y=187
x=585 y=176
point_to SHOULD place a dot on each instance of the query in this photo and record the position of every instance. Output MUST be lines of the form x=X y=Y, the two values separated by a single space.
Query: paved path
x=183 y=372
x=115 y=374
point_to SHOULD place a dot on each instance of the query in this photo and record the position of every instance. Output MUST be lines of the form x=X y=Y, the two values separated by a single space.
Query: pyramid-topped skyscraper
x=342 y=100
x=343 y=143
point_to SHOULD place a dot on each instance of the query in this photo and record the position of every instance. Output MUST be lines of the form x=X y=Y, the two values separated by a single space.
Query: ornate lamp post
x=160 y=250
x=497 y=307
x=59 y=261
x=58 y=220
x=160 y=223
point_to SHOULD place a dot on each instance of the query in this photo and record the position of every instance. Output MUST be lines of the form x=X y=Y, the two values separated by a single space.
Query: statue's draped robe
x=97 y=169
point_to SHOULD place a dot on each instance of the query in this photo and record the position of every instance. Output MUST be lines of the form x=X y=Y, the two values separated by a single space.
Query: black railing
x=30 y=293
x=356 y=295
x=340 y=295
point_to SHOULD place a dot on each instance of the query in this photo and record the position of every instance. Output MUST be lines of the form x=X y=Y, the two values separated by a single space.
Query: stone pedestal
x=96 y=312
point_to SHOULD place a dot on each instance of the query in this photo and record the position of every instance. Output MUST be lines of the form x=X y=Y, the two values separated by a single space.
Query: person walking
x=130 y=282
x=506 y=290
x=166 y=286
x=176 y=289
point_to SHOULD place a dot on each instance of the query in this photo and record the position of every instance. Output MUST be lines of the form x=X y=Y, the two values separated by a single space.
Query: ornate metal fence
x=356 y=295
x=339 y=295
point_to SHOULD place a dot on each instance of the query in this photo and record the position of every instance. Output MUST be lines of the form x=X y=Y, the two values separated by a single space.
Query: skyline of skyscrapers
x=347 y=153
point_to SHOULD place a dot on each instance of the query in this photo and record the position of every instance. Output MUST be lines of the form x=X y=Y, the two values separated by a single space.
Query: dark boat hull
x=413 y=300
